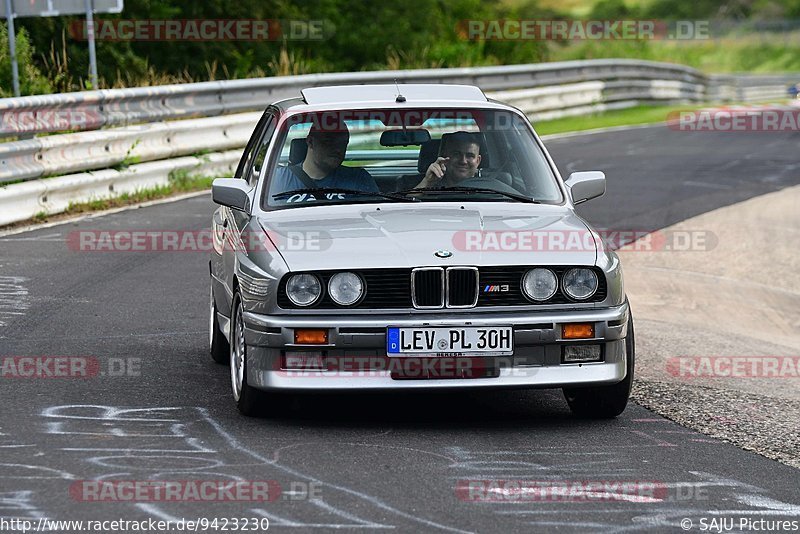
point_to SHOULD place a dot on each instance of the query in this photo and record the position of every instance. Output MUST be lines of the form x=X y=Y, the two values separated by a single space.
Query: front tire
x=246 y=397
x=605 y=402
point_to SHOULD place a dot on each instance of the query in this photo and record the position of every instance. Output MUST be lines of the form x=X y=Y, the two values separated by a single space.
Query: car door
x=228 y=224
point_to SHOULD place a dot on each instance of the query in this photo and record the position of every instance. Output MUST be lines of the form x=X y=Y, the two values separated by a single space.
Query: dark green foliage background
x=361 y=35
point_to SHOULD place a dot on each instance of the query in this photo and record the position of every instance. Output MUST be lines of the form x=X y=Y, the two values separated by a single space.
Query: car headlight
x=540 y=284
x=345 y=288
x=580 y=283
x=303 y=289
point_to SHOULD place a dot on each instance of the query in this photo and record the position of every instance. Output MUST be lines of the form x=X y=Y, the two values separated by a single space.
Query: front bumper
x=536 y=363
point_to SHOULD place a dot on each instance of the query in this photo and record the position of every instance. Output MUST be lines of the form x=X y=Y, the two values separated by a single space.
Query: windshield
x=417 y=155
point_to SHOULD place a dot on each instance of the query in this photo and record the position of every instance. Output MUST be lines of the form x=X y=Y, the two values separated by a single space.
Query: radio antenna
x=400 y=98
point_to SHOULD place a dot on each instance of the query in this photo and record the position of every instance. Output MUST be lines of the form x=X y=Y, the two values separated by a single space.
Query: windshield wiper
x=340 y=190
x=463 y=189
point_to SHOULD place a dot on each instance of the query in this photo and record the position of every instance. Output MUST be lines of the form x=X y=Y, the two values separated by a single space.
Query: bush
x=31 y=80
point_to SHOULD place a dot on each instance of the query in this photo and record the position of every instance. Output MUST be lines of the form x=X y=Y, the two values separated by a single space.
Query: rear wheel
x=605 y=402
x=218 y=345
x=250 y=401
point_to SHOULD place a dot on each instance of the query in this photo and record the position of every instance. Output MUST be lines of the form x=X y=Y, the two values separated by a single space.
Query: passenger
x=322 y=166
x=459 y=161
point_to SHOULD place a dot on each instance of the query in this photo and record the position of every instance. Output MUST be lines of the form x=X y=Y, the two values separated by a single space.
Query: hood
x=368 y=236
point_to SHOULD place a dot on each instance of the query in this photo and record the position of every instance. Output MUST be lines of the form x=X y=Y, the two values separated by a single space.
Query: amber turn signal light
x=578 y=331
x=311 y=337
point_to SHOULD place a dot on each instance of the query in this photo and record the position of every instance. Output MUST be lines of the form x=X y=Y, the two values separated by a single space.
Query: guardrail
x=546 y=103
x=750 y=88
x=542 y=90
x=92 y=110
x=126 y=139
x=61 y=154
x=22 y=201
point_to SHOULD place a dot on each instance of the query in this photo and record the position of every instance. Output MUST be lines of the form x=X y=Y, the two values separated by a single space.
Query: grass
x=128 y=160
x=758 y=54
x=607 y=119
x=179 y=182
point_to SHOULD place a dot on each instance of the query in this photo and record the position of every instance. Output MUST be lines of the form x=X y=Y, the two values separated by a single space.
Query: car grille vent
x=462 y=287
x=428 y=287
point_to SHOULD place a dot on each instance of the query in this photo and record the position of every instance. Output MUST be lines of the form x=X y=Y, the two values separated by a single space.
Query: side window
x=249 y=151
x=261 y=154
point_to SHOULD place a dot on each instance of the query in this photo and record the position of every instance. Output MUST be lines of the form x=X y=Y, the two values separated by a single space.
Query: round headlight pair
x=305 y=289
x=541 y=284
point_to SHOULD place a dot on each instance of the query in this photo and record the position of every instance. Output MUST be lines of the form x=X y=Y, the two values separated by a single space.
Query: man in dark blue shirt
x=323 y=167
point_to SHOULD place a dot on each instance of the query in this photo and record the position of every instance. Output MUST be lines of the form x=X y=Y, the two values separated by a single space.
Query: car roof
x=390 y=94
x=345 y=97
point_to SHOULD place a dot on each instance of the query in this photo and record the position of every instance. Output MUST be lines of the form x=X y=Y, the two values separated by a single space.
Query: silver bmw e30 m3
x=398 y=237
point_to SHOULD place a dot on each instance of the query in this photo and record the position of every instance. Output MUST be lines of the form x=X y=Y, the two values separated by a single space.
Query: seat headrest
x=297 y=150
x=428 y=152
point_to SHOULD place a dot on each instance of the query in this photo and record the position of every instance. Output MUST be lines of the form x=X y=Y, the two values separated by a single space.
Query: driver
x=322 y=166
x=459 y=161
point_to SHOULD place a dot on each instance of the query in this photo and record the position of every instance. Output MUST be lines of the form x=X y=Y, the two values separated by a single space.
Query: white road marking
x=14 y=301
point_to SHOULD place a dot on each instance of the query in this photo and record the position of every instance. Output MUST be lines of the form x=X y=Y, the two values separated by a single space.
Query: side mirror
x=231 y=192
x=586 y=185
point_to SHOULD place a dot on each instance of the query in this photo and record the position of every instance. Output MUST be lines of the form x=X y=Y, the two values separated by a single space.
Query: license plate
x=447 y=341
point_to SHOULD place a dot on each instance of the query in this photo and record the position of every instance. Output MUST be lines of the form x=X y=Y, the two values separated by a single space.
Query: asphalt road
x=375 y=462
